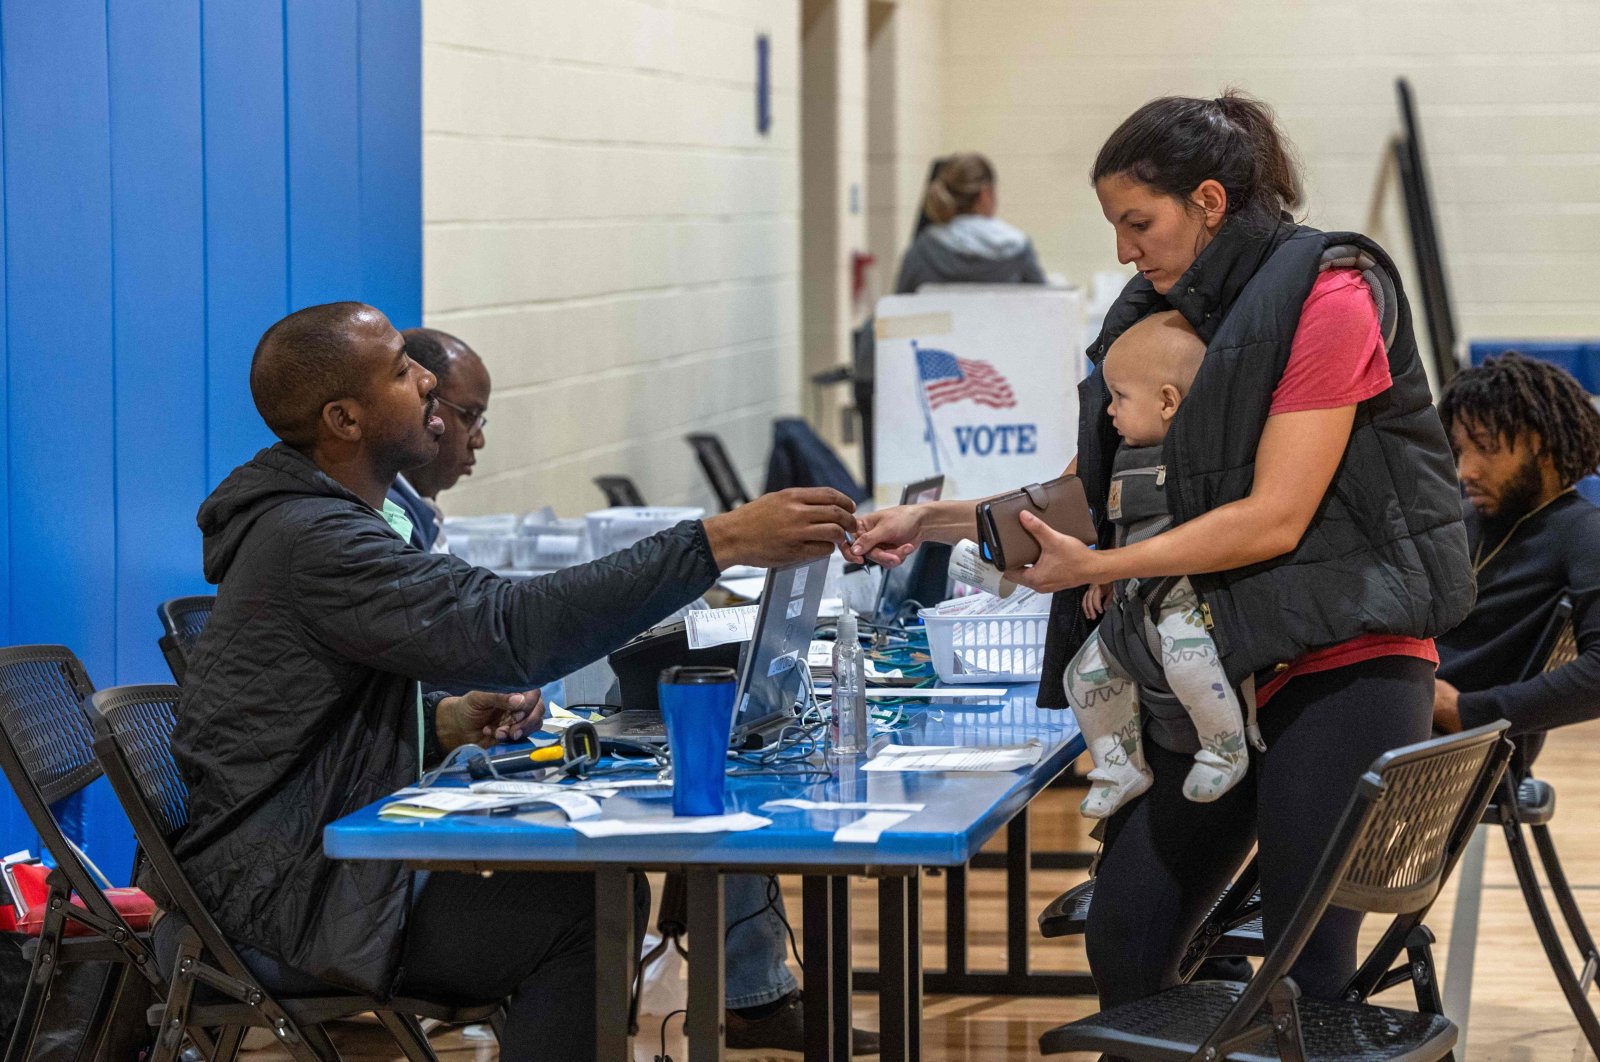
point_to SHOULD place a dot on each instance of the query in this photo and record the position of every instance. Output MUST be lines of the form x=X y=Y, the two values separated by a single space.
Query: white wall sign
x=979 y=385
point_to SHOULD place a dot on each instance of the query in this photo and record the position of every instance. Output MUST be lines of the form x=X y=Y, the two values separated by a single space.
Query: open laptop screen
x=774 y=663
x=897 y=581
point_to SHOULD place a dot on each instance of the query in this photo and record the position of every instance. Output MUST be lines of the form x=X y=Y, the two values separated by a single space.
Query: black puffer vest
x=1386 y=552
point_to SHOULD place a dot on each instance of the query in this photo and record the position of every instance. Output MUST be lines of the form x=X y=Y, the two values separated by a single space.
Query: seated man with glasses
x=463 y=391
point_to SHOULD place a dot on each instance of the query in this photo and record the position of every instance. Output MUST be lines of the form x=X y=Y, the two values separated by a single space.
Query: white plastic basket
x=619 y=528
x=979 y=649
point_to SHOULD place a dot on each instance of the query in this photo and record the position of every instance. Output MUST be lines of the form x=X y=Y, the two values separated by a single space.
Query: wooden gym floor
x=1518 y=1014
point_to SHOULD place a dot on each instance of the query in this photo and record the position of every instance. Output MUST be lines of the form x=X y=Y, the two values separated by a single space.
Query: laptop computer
x=897 y=582
x=771 y=667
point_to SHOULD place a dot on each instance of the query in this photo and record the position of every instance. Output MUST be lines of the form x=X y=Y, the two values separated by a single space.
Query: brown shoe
x=785 y=1030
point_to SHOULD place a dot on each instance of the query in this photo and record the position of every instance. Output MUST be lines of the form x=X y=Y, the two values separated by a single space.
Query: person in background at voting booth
x=463 y=390
x=765 y=1004
x=1315 y=511
x=966 y=243
x=1524 y=433
x=304 y=703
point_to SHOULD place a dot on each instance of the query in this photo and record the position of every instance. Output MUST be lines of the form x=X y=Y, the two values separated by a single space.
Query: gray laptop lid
x=773 y=666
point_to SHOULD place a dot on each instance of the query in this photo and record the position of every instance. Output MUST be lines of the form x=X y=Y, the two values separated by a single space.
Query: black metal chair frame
x=619 y=490
x=1394 y=847
x=719 y=470
x=133 y=729
x=180 y=629
x=46 y=751
x=1524 y=801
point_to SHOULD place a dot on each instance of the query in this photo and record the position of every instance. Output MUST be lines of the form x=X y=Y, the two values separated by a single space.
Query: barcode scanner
x=576 y=752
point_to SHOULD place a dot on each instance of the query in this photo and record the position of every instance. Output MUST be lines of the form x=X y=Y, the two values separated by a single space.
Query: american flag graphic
x=948 y=378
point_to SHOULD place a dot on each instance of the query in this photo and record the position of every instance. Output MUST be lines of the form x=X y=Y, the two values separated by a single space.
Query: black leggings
x=1167 y=859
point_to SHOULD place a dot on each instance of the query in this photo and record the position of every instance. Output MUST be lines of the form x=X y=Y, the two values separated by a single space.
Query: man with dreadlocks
x=1524 y=432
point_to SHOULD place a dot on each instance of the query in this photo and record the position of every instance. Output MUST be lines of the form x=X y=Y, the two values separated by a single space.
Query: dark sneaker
x=785 y=1030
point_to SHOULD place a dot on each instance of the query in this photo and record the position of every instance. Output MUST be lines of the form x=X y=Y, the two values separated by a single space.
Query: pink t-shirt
x=1337 y=356
x=1337 y=359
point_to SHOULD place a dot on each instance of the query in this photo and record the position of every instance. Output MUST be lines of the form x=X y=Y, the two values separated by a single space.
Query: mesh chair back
x=1399 y=856
x=42 y=690
x=47 y=749
x=133 y=739
x=620 y=491
x=1558 y=643
x=140 y=719
x=183 y=619
x=719 y=470
x=1405 y=826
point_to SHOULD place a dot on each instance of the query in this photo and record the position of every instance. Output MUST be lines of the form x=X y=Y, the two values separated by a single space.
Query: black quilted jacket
x=300 y=705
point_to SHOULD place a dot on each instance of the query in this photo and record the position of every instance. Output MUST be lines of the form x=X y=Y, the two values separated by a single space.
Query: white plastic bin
x=979 y=649
x=619 y=528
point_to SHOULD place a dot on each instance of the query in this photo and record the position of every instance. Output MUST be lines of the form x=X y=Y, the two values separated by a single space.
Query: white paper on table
x=437 y=803
x=955 y=757
x=735 y=823
x=868 y=828
x=717 y=626
x=924 y=693
x=840 y=805
x=572 y=804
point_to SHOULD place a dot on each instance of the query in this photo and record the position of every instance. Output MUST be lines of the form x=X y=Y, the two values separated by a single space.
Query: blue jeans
x=757 y=944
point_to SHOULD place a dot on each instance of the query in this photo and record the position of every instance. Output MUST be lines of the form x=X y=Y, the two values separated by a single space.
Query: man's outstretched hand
x=788 y=526
x=480 y=718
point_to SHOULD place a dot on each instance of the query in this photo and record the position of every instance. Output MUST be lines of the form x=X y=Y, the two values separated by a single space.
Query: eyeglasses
x=474 y=421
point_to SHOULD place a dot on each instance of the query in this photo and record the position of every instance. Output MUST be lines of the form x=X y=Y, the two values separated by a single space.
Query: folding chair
x=719 y=470
x=619 y=490
x=1523 y=800
x=46 y=750
x=133 y=736
x=1390 y=852
x=182 y=620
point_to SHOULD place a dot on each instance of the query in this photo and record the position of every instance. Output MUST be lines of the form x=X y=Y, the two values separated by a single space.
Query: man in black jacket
x=1524 y=433
x=303 y=702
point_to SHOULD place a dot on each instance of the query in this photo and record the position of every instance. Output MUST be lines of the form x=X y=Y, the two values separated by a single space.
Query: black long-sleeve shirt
x=1555 y=552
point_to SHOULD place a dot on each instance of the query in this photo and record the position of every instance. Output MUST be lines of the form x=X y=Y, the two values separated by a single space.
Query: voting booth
x=978 y=384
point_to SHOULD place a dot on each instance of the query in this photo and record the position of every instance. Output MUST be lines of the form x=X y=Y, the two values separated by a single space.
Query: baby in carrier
x=1154 y=630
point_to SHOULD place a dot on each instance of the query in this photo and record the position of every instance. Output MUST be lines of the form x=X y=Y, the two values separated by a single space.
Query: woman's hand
x=1063 y=562
x=887 y=536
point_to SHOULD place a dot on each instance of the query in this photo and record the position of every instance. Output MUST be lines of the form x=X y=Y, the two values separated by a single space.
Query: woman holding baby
x=1306 y=532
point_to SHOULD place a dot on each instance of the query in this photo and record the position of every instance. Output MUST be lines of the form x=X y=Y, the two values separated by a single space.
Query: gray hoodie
x=969 y=249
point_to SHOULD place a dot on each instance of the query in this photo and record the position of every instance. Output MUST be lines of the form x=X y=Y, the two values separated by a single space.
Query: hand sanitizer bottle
x=848 y=727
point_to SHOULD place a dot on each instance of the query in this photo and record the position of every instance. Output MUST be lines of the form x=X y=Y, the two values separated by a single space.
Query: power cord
x=774 y=895
x=663 y=1056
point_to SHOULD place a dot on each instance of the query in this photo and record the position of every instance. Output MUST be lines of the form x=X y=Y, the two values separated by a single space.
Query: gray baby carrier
x=1137 y=505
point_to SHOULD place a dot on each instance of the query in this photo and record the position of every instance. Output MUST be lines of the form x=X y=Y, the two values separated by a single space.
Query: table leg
x=955 y=921
x=914 y=962
x=817 y=895
x=894 y=969
x=615 y=955
x=1017 y=914
x=843 y=967
x=707 y=994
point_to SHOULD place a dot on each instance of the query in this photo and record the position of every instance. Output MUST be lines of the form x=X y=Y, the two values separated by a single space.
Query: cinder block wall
x=1510 y=105
x=604 y=224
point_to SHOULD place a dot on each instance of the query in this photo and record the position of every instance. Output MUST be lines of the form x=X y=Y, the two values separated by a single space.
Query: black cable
x=663 y=1056
x=774 y=894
